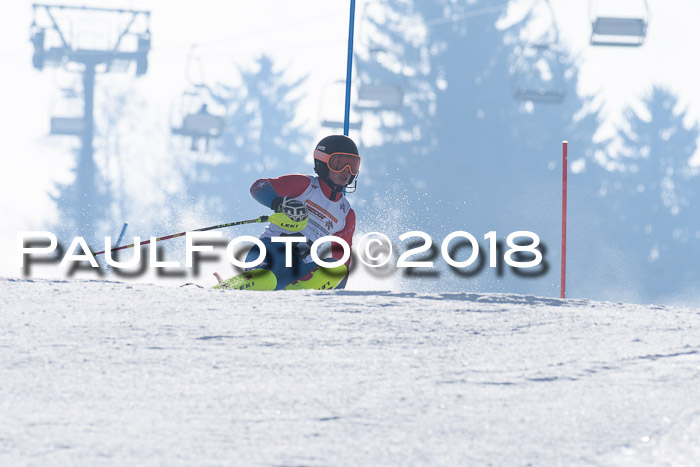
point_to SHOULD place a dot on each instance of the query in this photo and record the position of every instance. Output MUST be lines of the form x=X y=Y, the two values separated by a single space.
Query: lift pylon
x=58 y=40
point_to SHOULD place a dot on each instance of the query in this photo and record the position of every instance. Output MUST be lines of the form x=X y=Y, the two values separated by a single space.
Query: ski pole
x=121 y=234
x=280 y=219
x=168 y=237
x=119 y=240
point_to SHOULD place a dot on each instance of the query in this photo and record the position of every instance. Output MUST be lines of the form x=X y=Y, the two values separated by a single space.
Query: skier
x=320 y=201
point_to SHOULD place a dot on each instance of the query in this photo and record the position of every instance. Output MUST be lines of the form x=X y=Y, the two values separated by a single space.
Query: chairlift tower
x=57 y=43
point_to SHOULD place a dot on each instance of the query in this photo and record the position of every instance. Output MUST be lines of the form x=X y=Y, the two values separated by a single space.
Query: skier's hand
x=291 y=207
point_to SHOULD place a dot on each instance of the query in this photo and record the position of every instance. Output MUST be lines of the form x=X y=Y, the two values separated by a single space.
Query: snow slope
x=109 y=373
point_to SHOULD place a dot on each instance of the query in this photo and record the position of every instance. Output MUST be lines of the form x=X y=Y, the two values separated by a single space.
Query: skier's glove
x=292 y=207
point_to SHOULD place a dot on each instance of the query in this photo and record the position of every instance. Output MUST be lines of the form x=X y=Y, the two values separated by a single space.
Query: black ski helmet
x=329 y=145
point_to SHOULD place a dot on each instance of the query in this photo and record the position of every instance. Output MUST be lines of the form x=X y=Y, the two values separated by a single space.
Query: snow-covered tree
x=652 y=193
x=261 y=134
x=468 y=153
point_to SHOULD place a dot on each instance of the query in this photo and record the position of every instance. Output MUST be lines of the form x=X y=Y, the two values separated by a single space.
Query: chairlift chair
x=38 y=39
x=197 y=122
x=67 y=110
x=200 y=125
x=67 y=126
x=538 y=74
x=337 y=124
x=379 y=97
x=144 y=45
x=333 y=105
x=627 y=30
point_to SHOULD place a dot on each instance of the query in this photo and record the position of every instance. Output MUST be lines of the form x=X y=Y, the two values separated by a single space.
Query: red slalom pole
x=563 y=220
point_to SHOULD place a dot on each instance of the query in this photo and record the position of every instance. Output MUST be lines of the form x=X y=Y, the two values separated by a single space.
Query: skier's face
x=340 y=178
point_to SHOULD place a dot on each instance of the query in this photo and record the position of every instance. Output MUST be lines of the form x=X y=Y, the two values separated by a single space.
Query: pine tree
x=393 y=62
x=261 y=137
x=655 y=197
x=475 y=157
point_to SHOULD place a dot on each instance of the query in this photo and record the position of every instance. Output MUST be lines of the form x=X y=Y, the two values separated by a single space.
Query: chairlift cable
x=246 y=35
